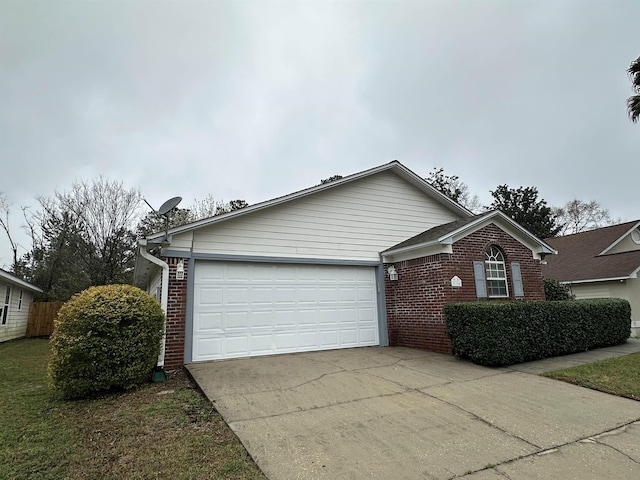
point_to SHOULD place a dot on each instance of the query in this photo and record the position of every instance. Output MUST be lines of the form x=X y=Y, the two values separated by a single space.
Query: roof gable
x=589 y=256
x=394 y=166
x=435 y=238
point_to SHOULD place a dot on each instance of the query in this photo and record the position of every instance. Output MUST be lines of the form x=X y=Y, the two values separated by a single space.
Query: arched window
x=496 y=272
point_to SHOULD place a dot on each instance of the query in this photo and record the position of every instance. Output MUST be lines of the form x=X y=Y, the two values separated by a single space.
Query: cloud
x=247 y=99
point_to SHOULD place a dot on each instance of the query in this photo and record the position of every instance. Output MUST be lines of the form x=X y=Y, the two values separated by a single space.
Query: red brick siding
x=415 y=301
x=176 y=314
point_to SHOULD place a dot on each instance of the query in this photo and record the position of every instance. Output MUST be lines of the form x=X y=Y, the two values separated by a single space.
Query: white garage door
x=247 y=309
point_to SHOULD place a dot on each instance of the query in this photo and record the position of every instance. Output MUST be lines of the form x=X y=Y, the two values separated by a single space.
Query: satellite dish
x=169 y=205
x=165 y=211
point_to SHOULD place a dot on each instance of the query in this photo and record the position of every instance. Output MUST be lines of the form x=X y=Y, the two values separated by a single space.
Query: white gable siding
x=16 y=326
x=353 y=221
x=625 y=245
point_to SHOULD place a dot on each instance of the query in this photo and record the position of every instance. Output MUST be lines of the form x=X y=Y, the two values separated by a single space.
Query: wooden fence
x=41 y=317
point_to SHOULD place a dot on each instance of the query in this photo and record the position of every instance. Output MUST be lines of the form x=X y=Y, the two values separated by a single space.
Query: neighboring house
x=600 y=263
x=369 y=259
x=16 y=296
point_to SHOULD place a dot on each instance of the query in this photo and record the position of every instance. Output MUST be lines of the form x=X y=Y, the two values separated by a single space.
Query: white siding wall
x=154 y=285
x=595 y=290
x=352 y=221
x=16 y=325
x=633 y=289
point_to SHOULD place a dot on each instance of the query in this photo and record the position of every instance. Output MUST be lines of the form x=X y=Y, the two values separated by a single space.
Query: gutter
x=164 y=293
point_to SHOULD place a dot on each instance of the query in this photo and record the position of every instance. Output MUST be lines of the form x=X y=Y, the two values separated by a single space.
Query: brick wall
x=415 y=301
x=176 y=314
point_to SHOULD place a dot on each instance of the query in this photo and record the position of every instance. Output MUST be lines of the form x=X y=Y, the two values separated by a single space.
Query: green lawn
x=619 y=376
x=163 y=430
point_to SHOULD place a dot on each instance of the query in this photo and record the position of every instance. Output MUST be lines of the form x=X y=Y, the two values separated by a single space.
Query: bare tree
x=210 y=207
x=83 y=237
x=5 y=211
x=578 y=216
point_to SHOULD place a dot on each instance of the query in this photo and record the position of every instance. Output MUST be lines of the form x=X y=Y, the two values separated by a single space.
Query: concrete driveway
x=398 y=413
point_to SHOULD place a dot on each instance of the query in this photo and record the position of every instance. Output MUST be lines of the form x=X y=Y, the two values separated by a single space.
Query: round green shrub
x=105 y=338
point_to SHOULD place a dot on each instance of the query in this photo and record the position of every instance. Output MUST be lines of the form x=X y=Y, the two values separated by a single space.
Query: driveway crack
x=477 y=417
x=542 y=451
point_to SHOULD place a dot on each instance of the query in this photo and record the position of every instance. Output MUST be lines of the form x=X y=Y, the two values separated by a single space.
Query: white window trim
x=492 y=259
x=4 y=319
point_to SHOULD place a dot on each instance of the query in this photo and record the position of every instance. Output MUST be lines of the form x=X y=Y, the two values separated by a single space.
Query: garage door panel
x=329 y=339
x=244 y=309
x=285 y=319
x=238 y=320
x=209 y=296
x=368 y=334
x=210 y=322
x=236 y=295
x=348 y=336
x=236 y=344
x=261 y=319
x=327 y=294
x=366 y=294
x=283 y=295
x=348 y=316
x=208 y=348
x=347 y=294
x=261 y=342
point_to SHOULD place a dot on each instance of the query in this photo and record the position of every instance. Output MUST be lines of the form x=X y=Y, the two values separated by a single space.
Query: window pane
x=497 y=288
x=496 y=273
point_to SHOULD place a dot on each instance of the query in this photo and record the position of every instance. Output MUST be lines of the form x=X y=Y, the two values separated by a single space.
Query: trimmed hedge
x=105 y=338
x=504 y=333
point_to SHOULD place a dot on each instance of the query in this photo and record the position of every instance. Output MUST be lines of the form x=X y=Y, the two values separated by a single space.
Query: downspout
x=164 y=293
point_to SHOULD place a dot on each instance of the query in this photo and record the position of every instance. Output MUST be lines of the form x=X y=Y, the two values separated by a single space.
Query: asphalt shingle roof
x=436 y=232
x=579 y=256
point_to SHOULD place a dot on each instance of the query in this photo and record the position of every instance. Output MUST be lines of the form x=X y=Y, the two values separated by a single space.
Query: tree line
x=88 y=235
x=524 y=206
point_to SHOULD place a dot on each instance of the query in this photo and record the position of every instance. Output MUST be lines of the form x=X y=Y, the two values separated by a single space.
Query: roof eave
x=17 y=281
x=593 y=280
x=409 y=248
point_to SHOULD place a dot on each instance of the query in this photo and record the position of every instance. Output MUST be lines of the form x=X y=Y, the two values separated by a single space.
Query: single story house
x=600 y=263
x=16 y=296
x=369 y=259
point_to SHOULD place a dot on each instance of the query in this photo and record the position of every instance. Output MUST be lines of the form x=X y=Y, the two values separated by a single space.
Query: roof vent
x=635 y=236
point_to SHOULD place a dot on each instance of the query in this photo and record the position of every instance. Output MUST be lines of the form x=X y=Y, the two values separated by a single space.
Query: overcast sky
x=256 y=99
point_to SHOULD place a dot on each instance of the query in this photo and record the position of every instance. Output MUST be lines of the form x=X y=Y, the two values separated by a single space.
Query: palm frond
x=633 y=108
x=634 y=74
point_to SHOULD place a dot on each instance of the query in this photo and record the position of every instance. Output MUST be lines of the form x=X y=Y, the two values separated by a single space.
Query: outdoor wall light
x=180 y=271
x=393 y=275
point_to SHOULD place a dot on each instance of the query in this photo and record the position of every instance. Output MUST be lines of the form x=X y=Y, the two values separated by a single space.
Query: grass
x=618 y=376
x=162 y=430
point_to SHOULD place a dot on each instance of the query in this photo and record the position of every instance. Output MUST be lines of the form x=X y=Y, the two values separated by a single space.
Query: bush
x=105 y=338
x=504 y=333
x=554 y=290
